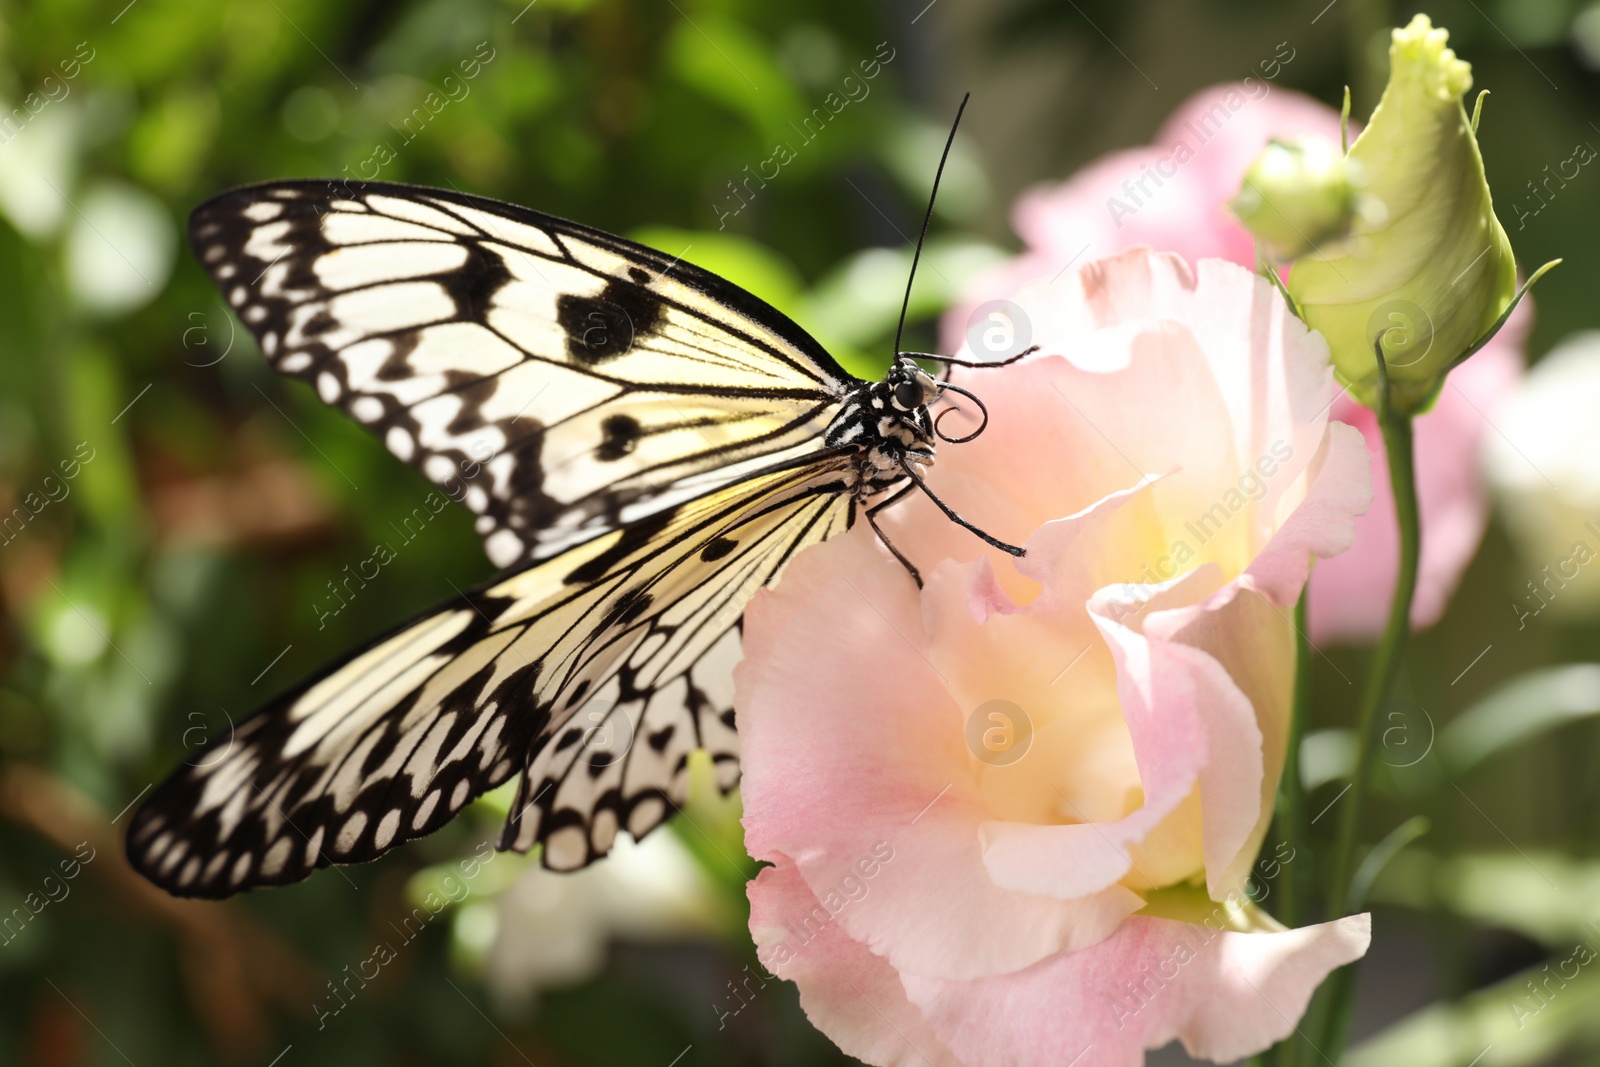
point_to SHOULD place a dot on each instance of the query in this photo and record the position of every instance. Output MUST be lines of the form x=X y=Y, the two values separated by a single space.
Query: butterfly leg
x=957 y=519
x=872 y=520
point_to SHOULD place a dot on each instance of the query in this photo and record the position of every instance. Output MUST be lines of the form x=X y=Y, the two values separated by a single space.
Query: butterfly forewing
x=593 y=674
x=557 y=380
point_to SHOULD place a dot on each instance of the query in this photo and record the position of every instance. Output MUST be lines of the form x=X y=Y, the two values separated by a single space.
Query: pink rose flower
x=1170 y=195
x=1014 y=817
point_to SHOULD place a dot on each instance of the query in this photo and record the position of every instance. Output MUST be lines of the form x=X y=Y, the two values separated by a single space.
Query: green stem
x=1397 y=441
x=1289 y=820
x=1398 y=444
x=1291 y=812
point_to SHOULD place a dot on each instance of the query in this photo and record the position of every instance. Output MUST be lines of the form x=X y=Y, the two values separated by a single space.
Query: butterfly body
x=888 y=425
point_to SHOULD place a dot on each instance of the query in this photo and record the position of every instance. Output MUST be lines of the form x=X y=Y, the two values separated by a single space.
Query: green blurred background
x=183 y=574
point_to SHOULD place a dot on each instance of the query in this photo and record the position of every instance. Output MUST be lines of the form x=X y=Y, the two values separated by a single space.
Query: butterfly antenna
x=926 y=219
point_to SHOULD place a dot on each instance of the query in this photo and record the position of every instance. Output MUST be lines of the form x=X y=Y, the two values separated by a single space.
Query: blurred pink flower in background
x=1014 y=817
x=1170 y=195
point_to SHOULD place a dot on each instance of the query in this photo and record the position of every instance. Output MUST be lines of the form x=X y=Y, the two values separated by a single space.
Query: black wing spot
x=319 y=323
x=639 y=275
x=716 y=548
x=602 y=328
x=627 y=608
x=662 y=737
x=398 y=366
x=622 y=433
x=473 y=285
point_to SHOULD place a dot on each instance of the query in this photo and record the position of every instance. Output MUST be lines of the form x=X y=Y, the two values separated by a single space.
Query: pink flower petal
x=978 y=783
x=894 y=771
x=1247 y=628
x=1136 y=333
x=1251 y=640
x=1226 y=995
x=1140 y=196
x=850 y=994
x=1322 y=525
x=1155 y=694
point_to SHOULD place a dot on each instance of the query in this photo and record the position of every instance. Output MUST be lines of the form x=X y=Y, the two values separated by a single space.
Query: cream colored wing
x=557 y=380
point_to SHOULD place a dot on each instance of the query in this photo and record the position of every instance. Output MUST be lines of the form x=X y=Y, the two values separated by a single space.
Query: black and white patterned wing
x=557 y=380
x=593 y=675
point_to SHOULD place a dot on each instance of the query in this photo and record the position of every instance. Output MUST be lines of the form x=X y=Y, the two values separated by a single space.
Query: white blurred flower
x=1542 y=467
x=120 y=248
x=554 y=928
x=76 y=634
x=37 y=164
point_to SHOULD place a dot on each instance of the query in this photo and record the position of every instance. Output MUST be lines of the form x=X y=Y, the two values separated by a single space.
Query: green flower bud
x=1428 y=269
x=1298 y=197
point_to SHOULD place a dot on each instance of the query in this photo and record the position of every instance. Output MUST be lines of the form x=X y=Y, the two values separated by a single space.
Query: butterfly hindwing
x=387 y=746
x=675 y=673
x=557 y=380
x=592 y=674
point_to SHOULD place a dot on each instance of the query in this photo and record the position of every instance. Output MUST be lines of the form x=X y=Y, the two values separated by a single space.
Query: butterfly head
x=910 y=387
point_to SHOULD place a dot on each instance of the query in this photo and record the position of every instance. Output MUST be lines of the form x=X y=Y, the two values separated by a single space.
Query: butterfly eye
x=907 y=395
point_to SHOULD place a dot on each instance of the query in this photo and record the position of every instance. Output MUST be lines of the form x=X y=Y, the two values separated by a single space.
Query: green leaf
x=1494 y=327
x=1523 y=709
x=746 y=263
x=1503 y=1025
x=1514 y=890
x=1380 y=856
x=730 y=64
x=1327 y=756
x=858 y=302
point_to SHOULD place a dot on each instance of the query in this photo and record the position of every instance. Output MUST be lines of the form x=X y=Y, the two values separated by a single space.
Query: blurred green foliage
x=173 y=580
x=182 y=573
